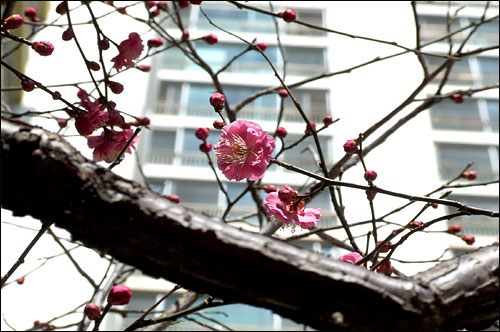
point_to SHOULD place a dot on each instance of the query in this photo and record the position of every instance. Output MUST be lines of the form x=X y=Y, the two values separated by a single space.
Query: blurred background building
x=426 y=152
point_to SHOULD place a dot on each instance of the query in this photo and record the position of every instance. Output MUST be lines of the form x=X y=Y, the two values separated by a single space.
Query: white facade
x=414 y=160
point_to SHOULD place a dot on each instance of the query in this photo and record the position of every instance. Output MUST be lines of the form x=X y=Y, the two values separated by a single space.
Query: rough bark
x=45 y=177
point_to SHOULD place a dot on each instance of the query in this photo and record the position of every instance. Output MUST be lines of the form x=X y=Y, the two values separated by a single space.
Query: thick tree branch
x=45 y=177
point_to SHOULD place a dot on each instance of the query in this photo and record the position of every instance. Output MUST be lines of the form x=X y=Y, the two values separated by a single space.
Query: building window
x=169 y=98
x=476 y=225
x=453 y=158
x=471 y=115
x=301 y=155
x=191 y=154
x=162 y=147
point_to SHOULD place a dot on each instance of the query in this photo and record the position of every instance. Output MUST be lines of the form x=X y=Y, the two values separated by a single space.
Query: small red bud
x=205 y=147
x=262 y=46
x=30 y=12
x=27 y=84
x=327 y=120
x=150 y=4
x=288 y=15
x=457 y=98
x=218 y=101
x=218 y=124
x=283 y=93
x=351 y=147
x=115 y=87
x=13 y=22
x=185 y=35
x=385 y=248
x=92 y=311
x=20 y=280
x=144 y=68
x=281 y=132
x=385 y=268
x=103 y=44
x=415 y=224
x=370 y=175
x=62 y=8
x=469 y=175
x=119 y=295
x=307 y=131
x=183 y=4
x=210 y=39
x=454 y=229
x=122 y=10
x=469 y=239
x=269 y=188
x=202 y=133
x=173 y=198
x=434 y=205
x=43 y=48
x=93 y=65
x=155 y=42
x=62 y=122
x=68 y=34
x=155 y=12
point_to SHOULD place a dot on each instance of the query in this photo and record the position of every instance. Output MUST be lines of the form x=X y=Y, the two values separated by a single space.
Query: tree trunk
x=45 y=177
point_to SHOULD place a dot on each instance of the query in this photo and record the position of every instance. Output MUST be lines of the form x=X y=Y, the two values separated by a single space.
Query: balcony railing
x=461 y=123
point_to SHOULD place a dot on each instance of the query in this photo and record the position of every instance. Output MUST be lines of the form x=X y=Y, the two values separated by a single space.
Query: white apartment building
x=419 y=157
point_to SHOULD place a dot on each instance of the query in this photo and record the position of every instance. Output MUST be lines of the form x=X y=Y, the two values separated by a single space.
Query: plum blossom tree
x=47 y=178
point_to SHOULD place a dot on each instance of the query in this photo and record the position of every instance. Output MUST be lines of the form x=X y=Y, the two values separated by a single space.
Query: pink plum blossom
x=352 y=258
x=92 y=120
x=129 y=50
x=109 y=144
x=291 y=211
x=244 y=151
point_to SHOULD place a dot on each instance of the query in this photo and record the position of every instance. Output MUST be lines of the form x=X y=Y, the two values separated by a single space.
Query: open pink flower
x=94 y=119
x=109 y=144
x=352 y=258
x=244 y=151
x=291 y=212
x=129 y=50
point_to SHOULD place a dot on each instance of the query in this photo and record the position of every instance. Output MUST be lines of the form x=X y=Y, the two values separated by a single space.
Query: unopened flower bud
x=103 y=44
x=30 y=12
x=27 y=84
x=122 y=10
x=218 y=101
x=36 y=323
x=202 y=133
x=155 y=12
x=281 y=132
x=119 y=295
x=155 y=42
x=93 y=65
x=327 y=120
x=457 y=98
x=469 y=175
x=43 y=48
x=183 y=4
x=20 y=280
x=262 y=46
x=415 y=224
x=307 y=131
x=115 y=87
x=205 y=147
x=454 y=229
x=62 y=122
x=269 y=188
x=370 y=195
x=287 y=194
x=173 y=198
x=385 y=268
x=68 y=34
x=144 y=68
x=288 y=15
x=92 y=311
x=62 y=8
x=218 y=124
x=370 y=175
x=283 y=93
x=210 y=39
x=351 y=147
x=434 y=205
x=185 y=35
x=13 y=22
x=385 y=248
x=469 y=239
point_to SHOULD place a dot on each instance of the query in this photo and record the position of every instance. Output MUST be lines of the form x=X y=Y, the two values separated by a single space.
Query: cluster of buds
x=469 y=175
x=218 y=101
x=202 y=134
x=173 y=198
